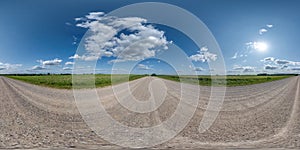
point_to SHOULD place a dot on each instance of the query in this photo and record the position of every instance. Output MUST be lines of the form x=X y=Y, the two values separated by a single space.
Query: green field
x=240 y=80
x=82 y=81
x=101 y=80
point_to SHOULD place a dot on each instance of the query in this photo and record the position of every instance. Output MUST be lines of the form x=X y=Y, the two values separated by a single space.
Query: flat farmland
x=65 y=81
x=223 y=80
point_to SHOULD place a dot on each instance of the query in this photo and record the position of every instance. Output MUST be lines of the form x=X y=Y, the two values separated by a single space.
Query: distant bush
x=153 y=75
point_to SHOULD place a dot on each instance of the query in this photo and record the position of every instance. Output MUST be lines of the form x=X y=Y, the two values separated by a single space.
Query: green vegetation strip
x=82 y=81
x=223 y=80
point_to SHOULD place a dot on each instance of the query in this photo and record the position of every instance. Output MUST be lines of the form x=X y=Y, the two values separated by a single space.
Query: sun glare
x=261 y=46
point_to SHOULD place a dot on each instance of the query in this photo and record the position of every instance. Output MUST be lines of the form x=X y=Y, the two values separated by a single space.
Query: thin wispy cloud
x=67 y=68
x=68 y=24
x=235 y=56
x=144 y=67
x=198 y=69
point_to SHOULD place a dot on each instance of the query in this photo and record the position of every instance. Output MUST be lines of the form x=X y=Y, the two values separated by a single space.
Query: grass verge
x=82 y=81
x=219 y=80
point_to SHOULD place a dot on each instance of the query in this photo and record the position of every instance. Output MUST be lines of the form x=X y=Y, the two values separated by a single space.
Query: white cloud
x=268 y=59
x=68 y=23
x=204 y=49
x=142 y=41
x=284 y=67
x=270 y=25
x=94 y=15
x=69 y=63
x=74 y=40
x=198 y=69
x=235 y=56
x=270 y=67
x=244 y=69
x=272 y=63
x=256 y=45
x=38 y=68
x=282 y=62
x=67 y=68
x=84 y=57
x=295 y=69
x=7 y=66
x=262 y=31
x=75 y=56
x=265 y=29
x=143 y=67
x=53 y=62
x=203 y=56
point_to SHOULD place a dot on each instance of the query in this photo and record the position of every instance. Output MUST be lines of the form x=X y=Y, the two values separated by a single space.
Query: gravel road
x=256 y=116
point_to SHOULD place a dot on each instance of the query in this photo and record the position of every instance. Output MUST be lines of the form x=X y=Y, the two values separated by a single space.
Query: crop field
x=84 y=81
x=223 y=80
x=102 y=80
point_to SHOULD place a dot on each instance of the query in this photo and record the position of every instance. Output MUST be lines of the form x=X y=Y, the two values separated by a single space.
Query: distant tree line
x=277 y=74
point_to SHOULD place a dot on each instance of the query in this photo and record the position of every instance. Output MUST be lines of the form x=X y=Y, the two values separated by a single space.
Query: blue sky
x=255 y=36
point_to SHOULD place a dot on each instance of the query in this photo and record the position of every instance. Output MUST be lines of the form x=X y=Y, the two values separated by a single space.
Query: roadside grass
x=102 y=80
x=80 y=81
x=238 y=80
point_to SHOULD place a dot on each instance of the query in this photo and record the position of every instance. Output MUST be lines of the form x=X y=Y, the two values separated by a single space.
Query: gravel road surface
x=256 y=116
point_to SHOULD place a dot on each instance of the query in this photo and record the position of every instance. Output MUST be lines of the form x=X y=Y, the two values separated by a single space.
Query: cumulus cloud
x=295 y=69
x=270 y=25
x=204 y=56
x=143 y=67
x=204 y=49
x=37 y=67
x=262 y=31
x=248 y=70
x=69 y=63
x=84 y=57
x=272 y=63
x=7 y=66
x=244 y=69
x=265 y=29
x=284 y=67
x=198 y=69
x=53 y=62
x=140 y=41
x=268 y=59
x=67 y=68
x=269 y=67
x=282 y=62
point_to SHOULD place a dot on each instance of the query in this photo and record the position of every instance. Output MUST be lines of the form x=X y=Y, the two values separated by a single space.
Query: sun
x=260 y=46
